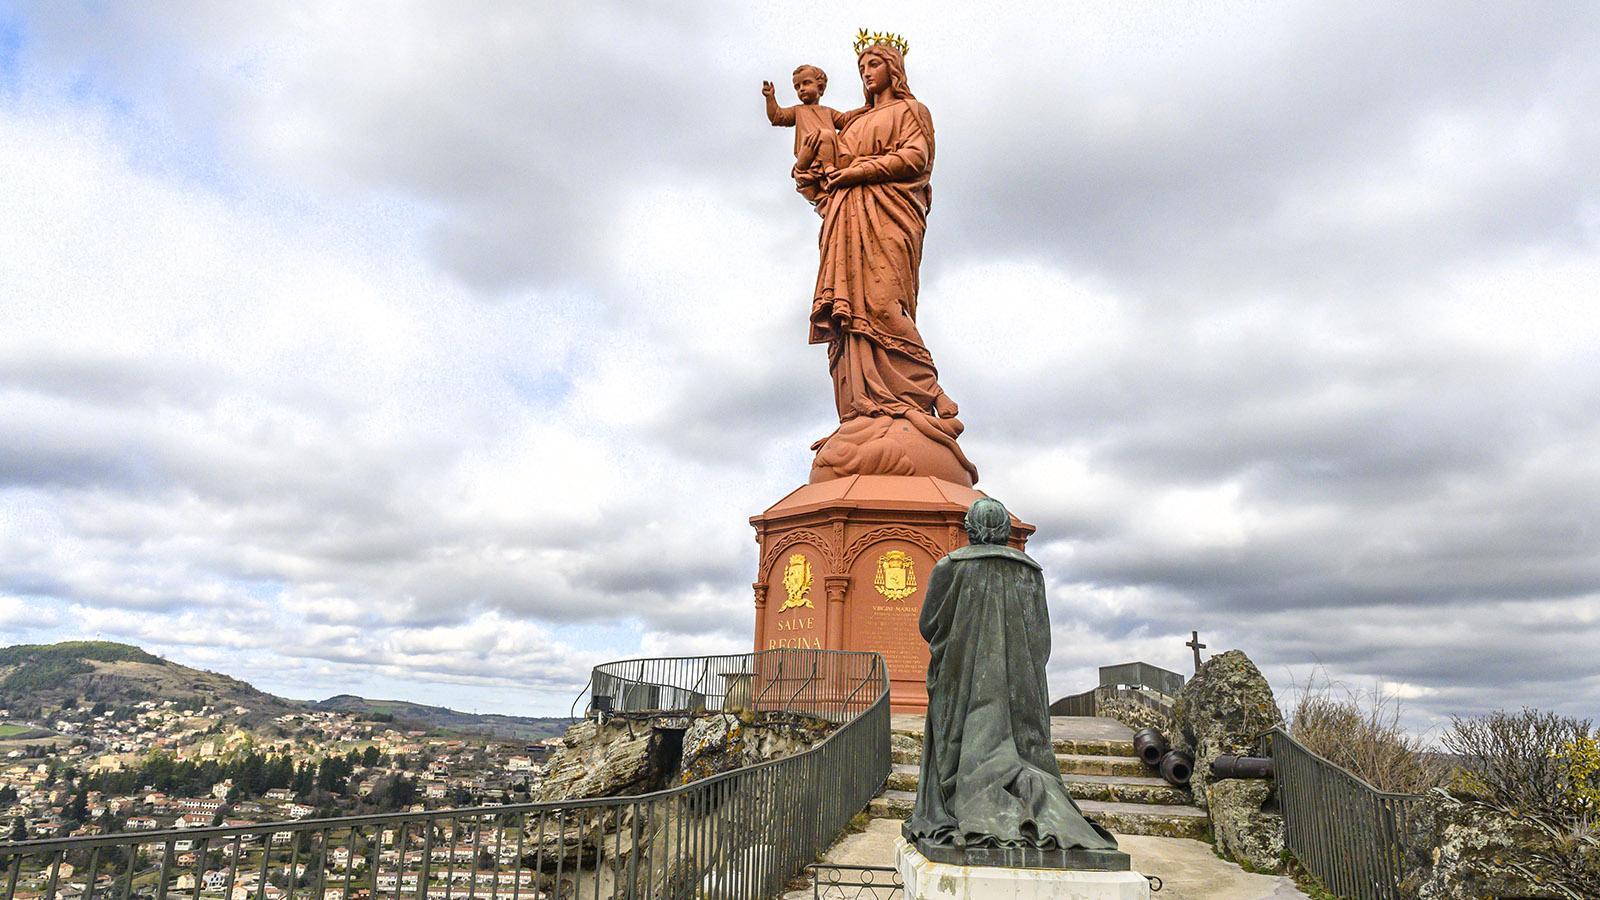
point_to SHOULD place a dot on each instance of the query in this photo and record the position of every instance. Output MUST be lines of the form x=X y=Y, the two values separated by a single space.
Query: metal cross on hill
x=1195 y=645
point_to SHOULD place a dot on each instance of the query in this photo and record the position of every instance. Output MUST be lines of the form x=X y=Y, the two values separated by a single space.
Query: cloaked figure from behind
x=989 y=775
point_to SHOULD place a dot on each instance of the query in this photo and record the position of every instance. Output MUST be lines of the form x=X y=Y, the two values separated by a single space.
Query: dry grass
x=1361 y=732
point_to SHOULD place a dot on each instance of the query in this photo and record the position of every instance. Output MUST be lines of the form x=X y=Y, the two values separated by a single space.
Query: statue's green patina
x=990 y=792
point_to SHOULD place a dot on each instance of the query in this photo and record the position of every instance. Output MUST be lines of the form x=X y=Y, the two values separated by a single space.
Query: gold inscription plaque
x=797 y=583
x=897 y=575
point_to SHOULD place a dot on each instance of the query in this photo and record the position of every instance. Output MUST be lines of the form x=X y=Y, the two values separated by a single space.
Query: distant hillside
x=35 y=677
x=520 y=728
x=44 y=676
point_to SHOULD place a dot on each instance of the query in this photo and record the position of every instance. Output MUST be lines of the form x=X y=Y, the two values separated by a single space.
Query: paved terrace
x=1188 y=869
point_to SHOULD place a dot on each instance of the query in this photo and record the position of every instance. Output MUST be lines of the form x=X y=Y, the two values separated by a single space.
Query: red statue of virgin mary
x=894 y=418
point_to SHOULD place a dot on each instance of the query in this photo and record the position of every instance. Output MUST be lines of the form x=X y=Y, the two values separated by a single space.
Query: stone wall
x=1133 y=713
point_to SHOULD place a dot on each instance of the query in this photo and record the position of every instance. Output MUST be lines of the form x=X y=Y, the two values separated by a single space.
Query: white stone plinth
x=928 y=880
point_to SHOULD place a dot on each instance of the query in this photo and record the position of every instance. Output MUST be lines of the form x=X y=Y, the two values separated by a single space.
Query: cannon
x=1230 y=766
x=1176 y=767
x=1150 y=746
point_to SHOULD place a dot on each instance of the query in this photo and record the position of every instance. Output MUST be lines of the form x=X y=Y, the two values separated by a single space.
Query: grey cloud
x=1419 y=506
x=1229 y=142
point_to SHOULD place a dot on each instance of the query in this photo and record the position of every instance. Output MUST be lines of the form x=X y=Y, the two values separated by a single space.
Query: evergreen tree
x=78 y=809
x=305 y=778
x=19 y=830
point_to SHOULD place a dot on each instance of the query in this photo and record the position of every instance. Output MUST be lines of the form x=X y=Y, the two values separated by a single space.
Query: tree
x=78 y=809
x=371 y=757
x=305 y=778
x=8 y=795
x=19 y=830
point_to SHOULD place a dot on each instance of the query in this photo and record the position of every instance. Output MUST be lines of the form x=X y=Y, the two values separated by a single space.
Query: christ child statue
x=815 y=129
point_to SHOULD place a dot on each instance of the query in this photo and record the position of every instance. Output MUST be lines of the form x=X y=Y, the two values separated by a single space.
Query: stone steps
x=1085 y=747
x=1069 y=763
x=892 y=805
x=1155 y=819
x=1109 y=783
x=908 y=743
x=1111 y=788
x=1088 y=764
x=1125 y=789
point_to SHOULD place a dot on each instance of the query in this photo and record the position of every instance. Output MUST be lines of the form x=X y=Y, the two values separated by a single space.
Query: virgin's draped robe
x=989 y=773
x=865 y=304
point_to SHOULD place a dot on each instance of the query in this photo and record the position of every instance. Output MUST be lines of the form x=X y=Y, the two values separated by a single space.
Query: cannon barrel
x=1150 y=746
x=1176 y=767
x=1230 y=766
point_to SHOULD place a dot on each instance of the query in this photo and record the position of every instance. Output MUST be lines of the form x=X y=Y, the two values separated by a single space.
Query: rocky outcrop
x=713 y=744
x=1459 y=848
x=588 y=852
x=1225 y=708
x=1246 y=825
x=625 y=757
x=721 y=742
x=616 y=759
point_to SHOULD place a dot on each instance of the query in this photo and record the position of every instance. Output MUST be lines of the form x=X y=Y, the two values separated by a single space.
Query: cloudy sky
x=440 y=351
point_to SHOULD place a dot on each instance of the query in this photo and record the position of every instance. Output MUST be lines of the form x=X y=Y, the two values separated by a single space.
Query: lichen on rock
x=1225 y=708
x=1462 y=848
x=721 y=742
x=611 y=760
x=1246 y=826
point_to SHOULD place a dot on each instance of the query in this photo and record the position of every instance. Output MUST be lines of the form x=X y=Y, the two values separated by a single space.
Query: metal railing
x=1344 y=831
x=837 y=881
x=815 y=682
x=736 y=835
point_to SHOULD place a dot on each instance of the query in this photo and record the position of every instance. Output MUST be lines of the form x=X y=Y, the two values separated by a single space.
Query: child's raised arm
x=776 y=114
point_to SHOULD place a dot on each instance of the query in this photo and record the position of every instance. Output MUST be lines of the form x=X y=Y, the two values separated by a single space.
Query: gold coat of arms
x=797 y=582
x=897 y=575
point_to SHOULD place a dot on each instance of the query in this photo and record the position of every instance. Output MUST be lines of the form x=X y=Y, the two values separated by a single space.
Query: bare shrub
x=1362 y=733
x=1519 y=761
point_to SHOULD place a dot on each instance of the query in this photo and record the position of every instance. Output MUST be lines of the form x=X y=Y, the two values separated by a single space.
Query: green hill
x=73 y=673
x=35 y=678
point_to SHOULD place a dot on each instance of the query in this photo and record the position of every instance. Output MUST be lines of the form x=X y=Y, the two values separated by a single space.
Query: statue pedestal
x=927 y=880
x=844 y=563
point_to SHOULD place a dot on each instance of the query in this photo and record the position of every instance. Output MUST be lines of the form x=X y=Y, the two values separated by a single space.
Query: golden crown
x=865 y=39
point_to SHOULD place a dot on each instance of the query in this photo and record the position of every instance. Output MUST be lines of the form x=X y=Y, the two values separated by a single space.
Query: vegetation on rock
x=1532 y=762
x=1525 y=799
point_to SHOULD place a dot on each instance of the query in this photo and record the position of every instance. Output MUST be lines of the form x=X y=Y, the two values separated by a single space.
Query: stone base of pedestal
x=927 y=880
